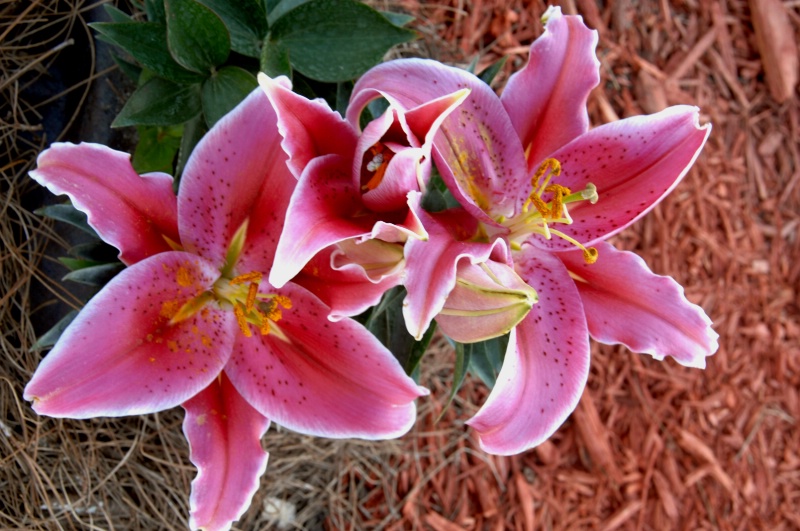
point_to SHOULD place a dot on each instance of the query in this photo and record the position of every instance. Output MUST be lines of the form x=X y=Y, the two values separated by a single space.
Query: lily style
x=530 y=172
x=193 y=320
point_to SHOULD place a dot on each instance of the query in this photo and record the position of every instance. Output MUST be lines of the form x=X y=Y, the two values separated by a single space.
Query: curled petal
x=332 y=379
x=310 y=128
x=235 y=170
x=351 y=277
x=546 y=100
x=546 y=365
x=432 y=264
x=626 y=303
x=634 y=163
x=121 y=356
x=224 y=434
x=131 y=212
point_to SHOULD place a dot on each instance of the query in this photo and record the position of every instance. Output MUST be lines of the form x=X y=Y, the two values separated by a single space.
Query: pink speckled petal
x=626 y=303
x=634 y=163
x=345 y=285
x=131 y=212
x=325 y=209
x=310 y=128
x=224 y=434
x=431 y=264
x=237 y=172
x=477 y=150
x=546 y=100
x=120 y=356
x=546 y=364
x=332 y=379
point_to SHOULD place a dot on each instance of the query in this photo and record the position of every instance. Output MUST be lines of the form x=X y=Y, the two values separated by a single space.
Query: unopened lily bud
x=489 y=299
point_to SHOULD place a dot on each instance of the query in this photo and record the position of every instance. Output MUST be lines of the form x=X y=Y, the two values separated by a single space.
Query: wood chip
x=778 y=46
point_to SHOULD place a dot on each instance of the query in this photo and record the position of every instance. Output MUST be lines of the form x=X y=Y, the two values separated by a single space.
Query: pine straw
x=652 y=445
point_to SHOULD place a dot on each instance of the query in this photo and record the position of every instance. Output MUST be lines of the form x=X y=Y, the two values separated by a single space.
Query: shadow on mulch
x=652 y=445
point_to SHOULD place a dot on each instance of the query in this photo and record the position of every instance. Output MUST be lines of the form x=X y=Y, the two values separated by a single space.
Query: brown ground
x=652 y=445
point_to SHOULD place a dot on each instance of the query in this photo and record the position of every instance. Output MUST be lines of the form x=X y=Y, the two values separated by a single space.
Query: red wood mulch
x=652 y=445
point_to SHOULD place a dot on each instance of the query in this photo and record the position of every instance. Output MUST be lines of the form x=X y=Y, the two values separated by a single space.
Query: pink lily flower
x=530 y=172
x=193 y=321
x=352 y=184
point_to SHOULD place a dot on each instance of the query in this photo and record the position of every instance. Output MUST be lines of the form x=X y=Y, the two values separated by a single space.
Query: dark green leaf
x=98 y=251
x=336 y=40
x=224 y=90
x=270 y=5
x=275 y=59
x=154 y=9
x=193 y=131
x=489 y=73
x=157 y=148
x=116 y=15
x=281 y=8
x=49 y=338
x=74 y=264
x=486 y=358
x=68 y=214
x=246 y=21
x=147 y=43
x=160 y=102
x=398 y=19
x=343 y=92
x=134 y=72
x=96 y=275
x=196 y=36
x=387 y=324
x=418 y=350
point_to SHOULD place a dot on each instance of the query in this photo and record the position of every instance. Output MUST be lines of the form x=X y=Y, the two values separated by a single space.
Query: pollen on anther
x=253 y=276
x=238 y=311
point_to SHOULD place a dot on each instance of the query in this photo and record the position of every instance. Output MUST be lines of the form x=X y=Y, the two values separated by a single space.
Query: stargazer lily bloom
x=352 y=184
x=529 y=170
x=193 y=320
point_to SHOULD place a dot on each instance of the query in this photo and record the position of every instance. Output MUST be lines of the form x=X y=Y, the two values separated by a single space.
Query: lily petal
x=324 y=210
x=626 y=303
x=310 y=128
x=131 y=212
x=634 y=163
x=546 y=364
x=546 y=100
x=121 y=356
x=476 y=150
x=432 y=264
x=224 y=434
x=323 y=378
x=351 y=287
x=236 y=169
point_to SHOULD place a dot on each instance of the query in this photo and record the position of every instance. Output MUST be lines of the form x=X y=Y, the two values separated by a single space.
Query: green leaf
x=196 y=36
x=398 y=19
x=463 y=355
x=486 y=358
x=49 y=338
x=275 y=59
x=336 y=40
x=343 y=92
x=281 y=8
x=418 y=350
x=160 y=102
x=489 y=73
x=157 y=148
x=96 y=275
x=387 y=324
x=224 y=90
x=134 y=72
x=68 y=214
x=193 y=131
x=154 y=9
x=75 y=264
x=116 y=15
x=246 y=21
x=147 y=43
